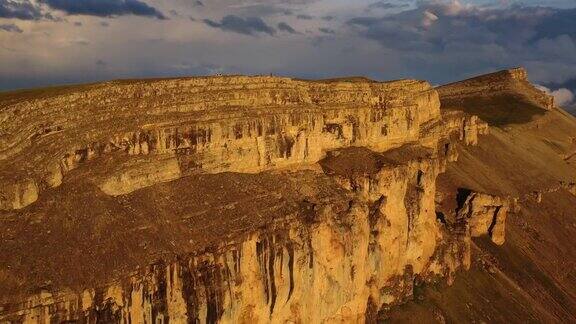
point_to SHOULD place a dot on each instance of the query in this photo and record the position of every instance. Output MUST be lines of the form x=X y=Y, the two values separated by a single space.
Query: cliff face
x=180 y=127
x=333 y=262
x=344 y=254
x=235 y=200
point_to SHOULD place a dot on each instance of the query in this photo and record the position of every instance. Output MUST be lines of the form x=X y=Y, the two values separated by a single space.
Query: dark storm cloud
x=434 y=25
x=286 y=28
x=444 y=36
x=24 y=10
x=105 y=8
x=247 y=26
x=559 y=22
x=569 y=84
x=11 y=28
x=440 y=40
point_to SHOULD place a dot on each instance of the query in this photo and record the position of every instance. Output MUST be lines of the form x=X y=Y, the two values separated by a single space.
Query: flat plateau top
x=53 y=91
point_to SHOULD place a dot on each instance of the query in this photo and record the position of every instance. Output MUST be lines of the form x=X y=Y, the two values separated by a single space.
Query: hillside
x=529 y=155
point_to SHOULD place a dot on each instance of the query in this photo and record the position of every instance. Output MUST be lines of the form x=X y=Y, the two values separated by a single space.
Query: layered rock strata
x=239 y=124
x=511 y=83
x=232 y=200
x=345 y=260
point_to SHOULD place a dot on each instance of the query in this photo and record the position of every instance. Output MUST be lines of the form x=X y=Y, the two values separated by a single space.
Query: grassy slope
x=532 y=277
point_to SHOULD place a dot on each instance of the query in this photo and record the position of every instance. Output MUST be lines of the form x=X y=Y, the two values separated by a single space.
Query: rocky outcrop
x=467 y=128
x=513 y=82
x=340 y=261
x=231 y=199
x=239 y=124
x=486 y=215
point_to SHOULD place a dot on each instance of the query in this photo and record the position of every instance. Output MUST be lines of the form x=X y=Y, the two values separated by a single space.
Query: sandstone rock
x=318 y=268
x=16 y=195
x=336 y=242
x=145 y=174
x=512 y=82
x=322 y=271
x=240 y=124
x=497 y=231
x=486 y=214
x=571 y=187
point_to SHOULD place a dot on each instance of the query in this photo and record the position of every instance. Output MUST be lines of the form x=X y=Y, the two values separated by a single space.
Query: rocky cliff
x=170 y=128
x=239 y=199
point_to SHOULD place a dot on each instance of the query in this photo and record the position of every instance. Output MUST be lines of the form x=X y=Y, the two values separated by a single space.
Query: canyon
x=237 y=199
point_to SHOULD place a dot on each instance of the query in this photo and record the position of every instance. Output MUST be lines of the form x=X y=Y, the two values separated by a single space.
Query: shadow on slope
x=500 y=98
x=532 y=277
x=497 y=110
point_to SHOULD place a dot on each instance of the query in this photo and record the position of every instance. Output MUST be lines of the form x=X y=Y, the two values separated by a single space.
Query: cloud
x=81 y=42
x=282 y=26
x=24 y=10
x=386 y=5
x=11 y=28
x=562 y=97
x=105 y=8
x=204 y=69
x=440 y=36
x=428 y=19
x=247 y=26
x=556 y=22
x=569 y=84
x=304 y=17
x=440 y=41
x=327 y=30
x=261 y=10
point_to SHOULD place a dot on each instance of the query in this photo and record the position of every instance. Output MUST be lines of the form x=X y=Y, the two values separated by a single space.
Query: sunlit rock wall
x=338 y=262
x=335 y=263
x=244 y=124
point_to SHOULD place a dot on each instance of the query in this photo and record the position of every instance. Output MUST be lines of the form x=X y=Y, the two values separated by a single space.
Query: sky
x=50 y=42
